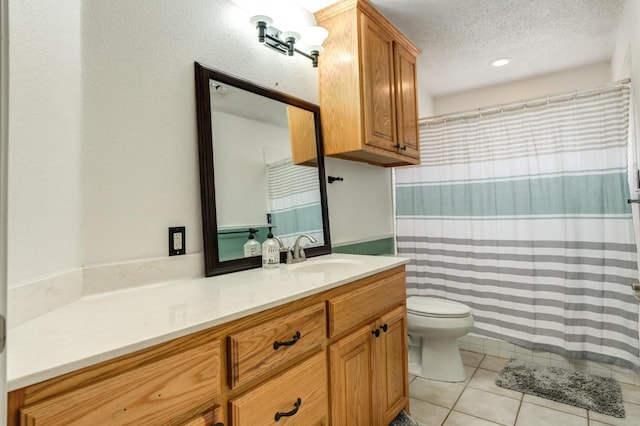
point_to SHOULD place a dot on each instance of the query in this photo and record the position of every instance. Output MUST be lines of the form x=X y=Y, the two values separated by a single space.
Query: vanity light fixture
x=310 y=38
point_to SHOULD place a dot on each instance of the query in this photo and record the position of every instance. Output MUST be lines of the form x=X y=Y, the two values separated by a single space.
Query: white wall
x=45 y=99
x=626 y=63
x=240 y=174
x=582 y=78
x=104 y=143
x=4 y=139
x=626 y=57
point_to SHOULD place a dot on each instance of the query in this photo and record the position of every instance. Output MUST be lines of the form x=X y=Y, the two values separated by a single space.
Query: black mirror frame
x=213 y=265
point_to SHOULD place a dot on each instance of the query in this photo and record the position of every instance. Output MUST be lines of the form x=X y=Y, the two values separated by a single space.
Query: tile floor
x=479 y=402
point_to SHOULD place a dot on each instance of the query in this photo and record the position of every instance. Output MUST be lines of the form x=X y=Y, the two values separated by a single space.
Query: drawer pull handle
x=293 y=341
x=376 y=332
x=384 y=327
x=296 y=406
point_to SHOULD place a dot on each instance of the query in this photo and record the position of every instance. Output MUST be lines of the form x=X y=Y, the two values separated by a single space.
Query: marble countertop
x=100 y=327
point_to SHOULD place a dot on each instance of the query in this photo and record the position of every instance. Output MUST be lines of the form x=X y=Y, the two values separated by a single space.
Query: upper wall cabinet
x=367 y=87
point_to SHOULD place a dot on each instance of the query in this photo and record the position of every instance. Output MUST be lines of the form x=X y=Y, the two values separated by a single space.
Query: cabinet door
x=351 y=381
x=378 y=86
x=390 y=365
x=406 y=104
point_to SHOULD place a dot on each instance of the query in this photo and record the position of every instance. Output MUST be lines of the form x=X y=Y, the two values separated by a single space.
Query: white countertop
x=100 y=327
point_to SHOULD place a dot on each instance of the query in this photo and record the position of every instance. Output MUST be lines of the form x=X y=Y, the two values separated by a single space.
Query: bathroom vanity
x=320 y=342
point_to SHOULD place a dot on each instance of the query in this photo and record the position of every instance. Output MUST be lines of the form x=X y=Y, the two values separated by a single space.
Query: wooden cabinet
x=336 y=357
x=152 y=394
x=368 y=367
x=368 y=83
x=257 y=350
x=390 y=364
x=302 y=135
x=350 y=364
x=296 y=397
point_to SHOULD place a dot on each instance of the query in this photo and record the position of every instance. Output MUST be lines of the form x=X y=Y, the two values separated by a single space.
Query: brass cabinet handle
x=296 y=406
x=293 y=341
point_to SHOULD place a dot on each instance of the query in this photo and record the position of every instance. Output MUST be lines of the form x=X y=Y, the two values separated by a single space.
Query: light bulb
x=312 y=39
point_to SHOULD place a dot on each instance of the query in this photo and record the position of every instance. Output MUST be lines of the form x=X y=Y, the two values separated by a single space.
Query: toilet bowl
x=434 y=325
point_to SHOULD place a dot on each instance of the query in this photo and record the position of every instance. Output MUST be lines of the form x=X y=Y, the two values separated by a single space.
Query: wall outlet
x=177 y=241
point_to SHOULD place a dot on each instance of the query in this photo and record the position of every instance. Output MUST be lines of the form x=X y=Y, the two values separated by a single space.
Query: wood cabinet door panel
x=407 y=104
x=252 y=352
x=391 y=364
x=307 y=381
x=302 y=134
x=351 y=380
x=378 y=86
x=152 y=394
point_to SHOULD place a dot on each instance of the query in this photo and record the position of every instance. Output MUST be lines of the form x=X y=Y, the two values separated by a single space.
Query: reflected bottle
x=270 y=252
x=252 y=246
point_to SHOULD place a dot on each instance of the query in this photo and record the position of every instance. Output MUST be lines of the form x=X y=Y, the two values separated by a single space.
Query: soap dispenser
x=251 y=247
x=270 y=252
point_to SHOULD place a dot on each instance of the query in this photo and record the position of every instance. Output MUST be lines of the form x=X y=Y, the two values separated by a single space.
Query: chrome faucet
x=283 y=249
x=298 y=252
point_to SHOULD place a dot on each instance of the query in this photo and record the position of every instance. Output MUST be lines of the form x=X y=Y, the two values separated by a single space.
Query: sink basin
x=325 y=265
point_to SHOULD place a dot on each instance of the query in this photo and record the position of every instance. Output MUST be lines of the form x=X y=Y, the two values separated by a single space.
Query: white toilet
x=434 y=325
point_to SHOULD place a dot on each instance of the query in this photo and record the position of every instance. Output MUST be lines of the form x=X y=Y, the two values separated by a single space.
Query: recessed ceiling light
x=500 y=62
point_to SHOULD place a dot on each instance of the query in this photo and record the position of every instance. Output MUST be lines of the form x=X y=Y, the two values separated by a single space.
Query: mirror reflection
x=261 y=167
x=265 y=167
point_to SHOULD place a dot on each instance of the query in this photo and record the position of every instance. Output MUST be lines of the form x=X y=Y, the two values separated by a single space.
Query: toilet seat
x=436 y=307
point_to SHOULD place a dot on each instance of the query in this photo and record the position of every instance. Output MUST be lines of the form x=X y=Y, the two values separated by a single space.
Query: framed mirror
x=261 y=166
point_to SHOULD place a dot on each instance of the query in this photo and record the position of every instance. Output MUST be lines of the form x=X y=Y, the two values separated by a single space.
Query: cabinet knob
x=296 y=406
x=293 y=341
x=376 y=332
x=384 y=327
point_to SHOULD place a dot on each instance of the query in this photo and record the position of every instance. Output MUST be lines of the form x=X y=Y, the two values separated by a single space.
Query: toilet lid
x=435 y=307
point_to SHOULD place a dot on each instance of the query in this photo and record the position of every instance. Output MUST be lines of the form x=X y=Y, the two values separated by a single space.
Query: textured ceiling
x=459 y=38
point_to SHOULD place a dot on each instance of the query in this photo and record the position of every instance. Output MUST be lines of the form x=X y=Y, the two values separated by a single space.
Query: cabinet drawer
x=362 y=305
x=152 y=394
x=259 y=349
x=304 y=385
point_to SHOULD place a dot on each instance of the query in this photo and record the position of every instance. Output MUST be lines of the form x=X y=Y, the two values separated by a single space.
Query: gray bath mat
x=403 y=419
x=599 y=394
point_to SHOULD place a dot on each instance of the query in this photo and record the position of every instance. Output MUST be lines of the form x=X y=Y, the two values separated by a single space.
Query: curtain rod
x=495 y=109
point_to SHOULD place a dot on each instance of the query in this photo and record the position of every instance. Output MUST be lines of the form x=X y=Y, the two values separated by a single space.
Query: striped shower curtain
x=294 y=201
x=522 y=214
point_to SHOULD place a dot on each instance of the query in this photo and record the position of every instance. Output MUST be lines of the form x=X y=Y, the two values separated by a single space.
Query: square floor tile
x=460 y=419
x=493 y=363
x=537 y=415
x=486 y=380
x=471 y=359
x=443 y=394
x=630 y=393
x=488 y=406
x=632 y=417
x=576 y=411
x=427 y=413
